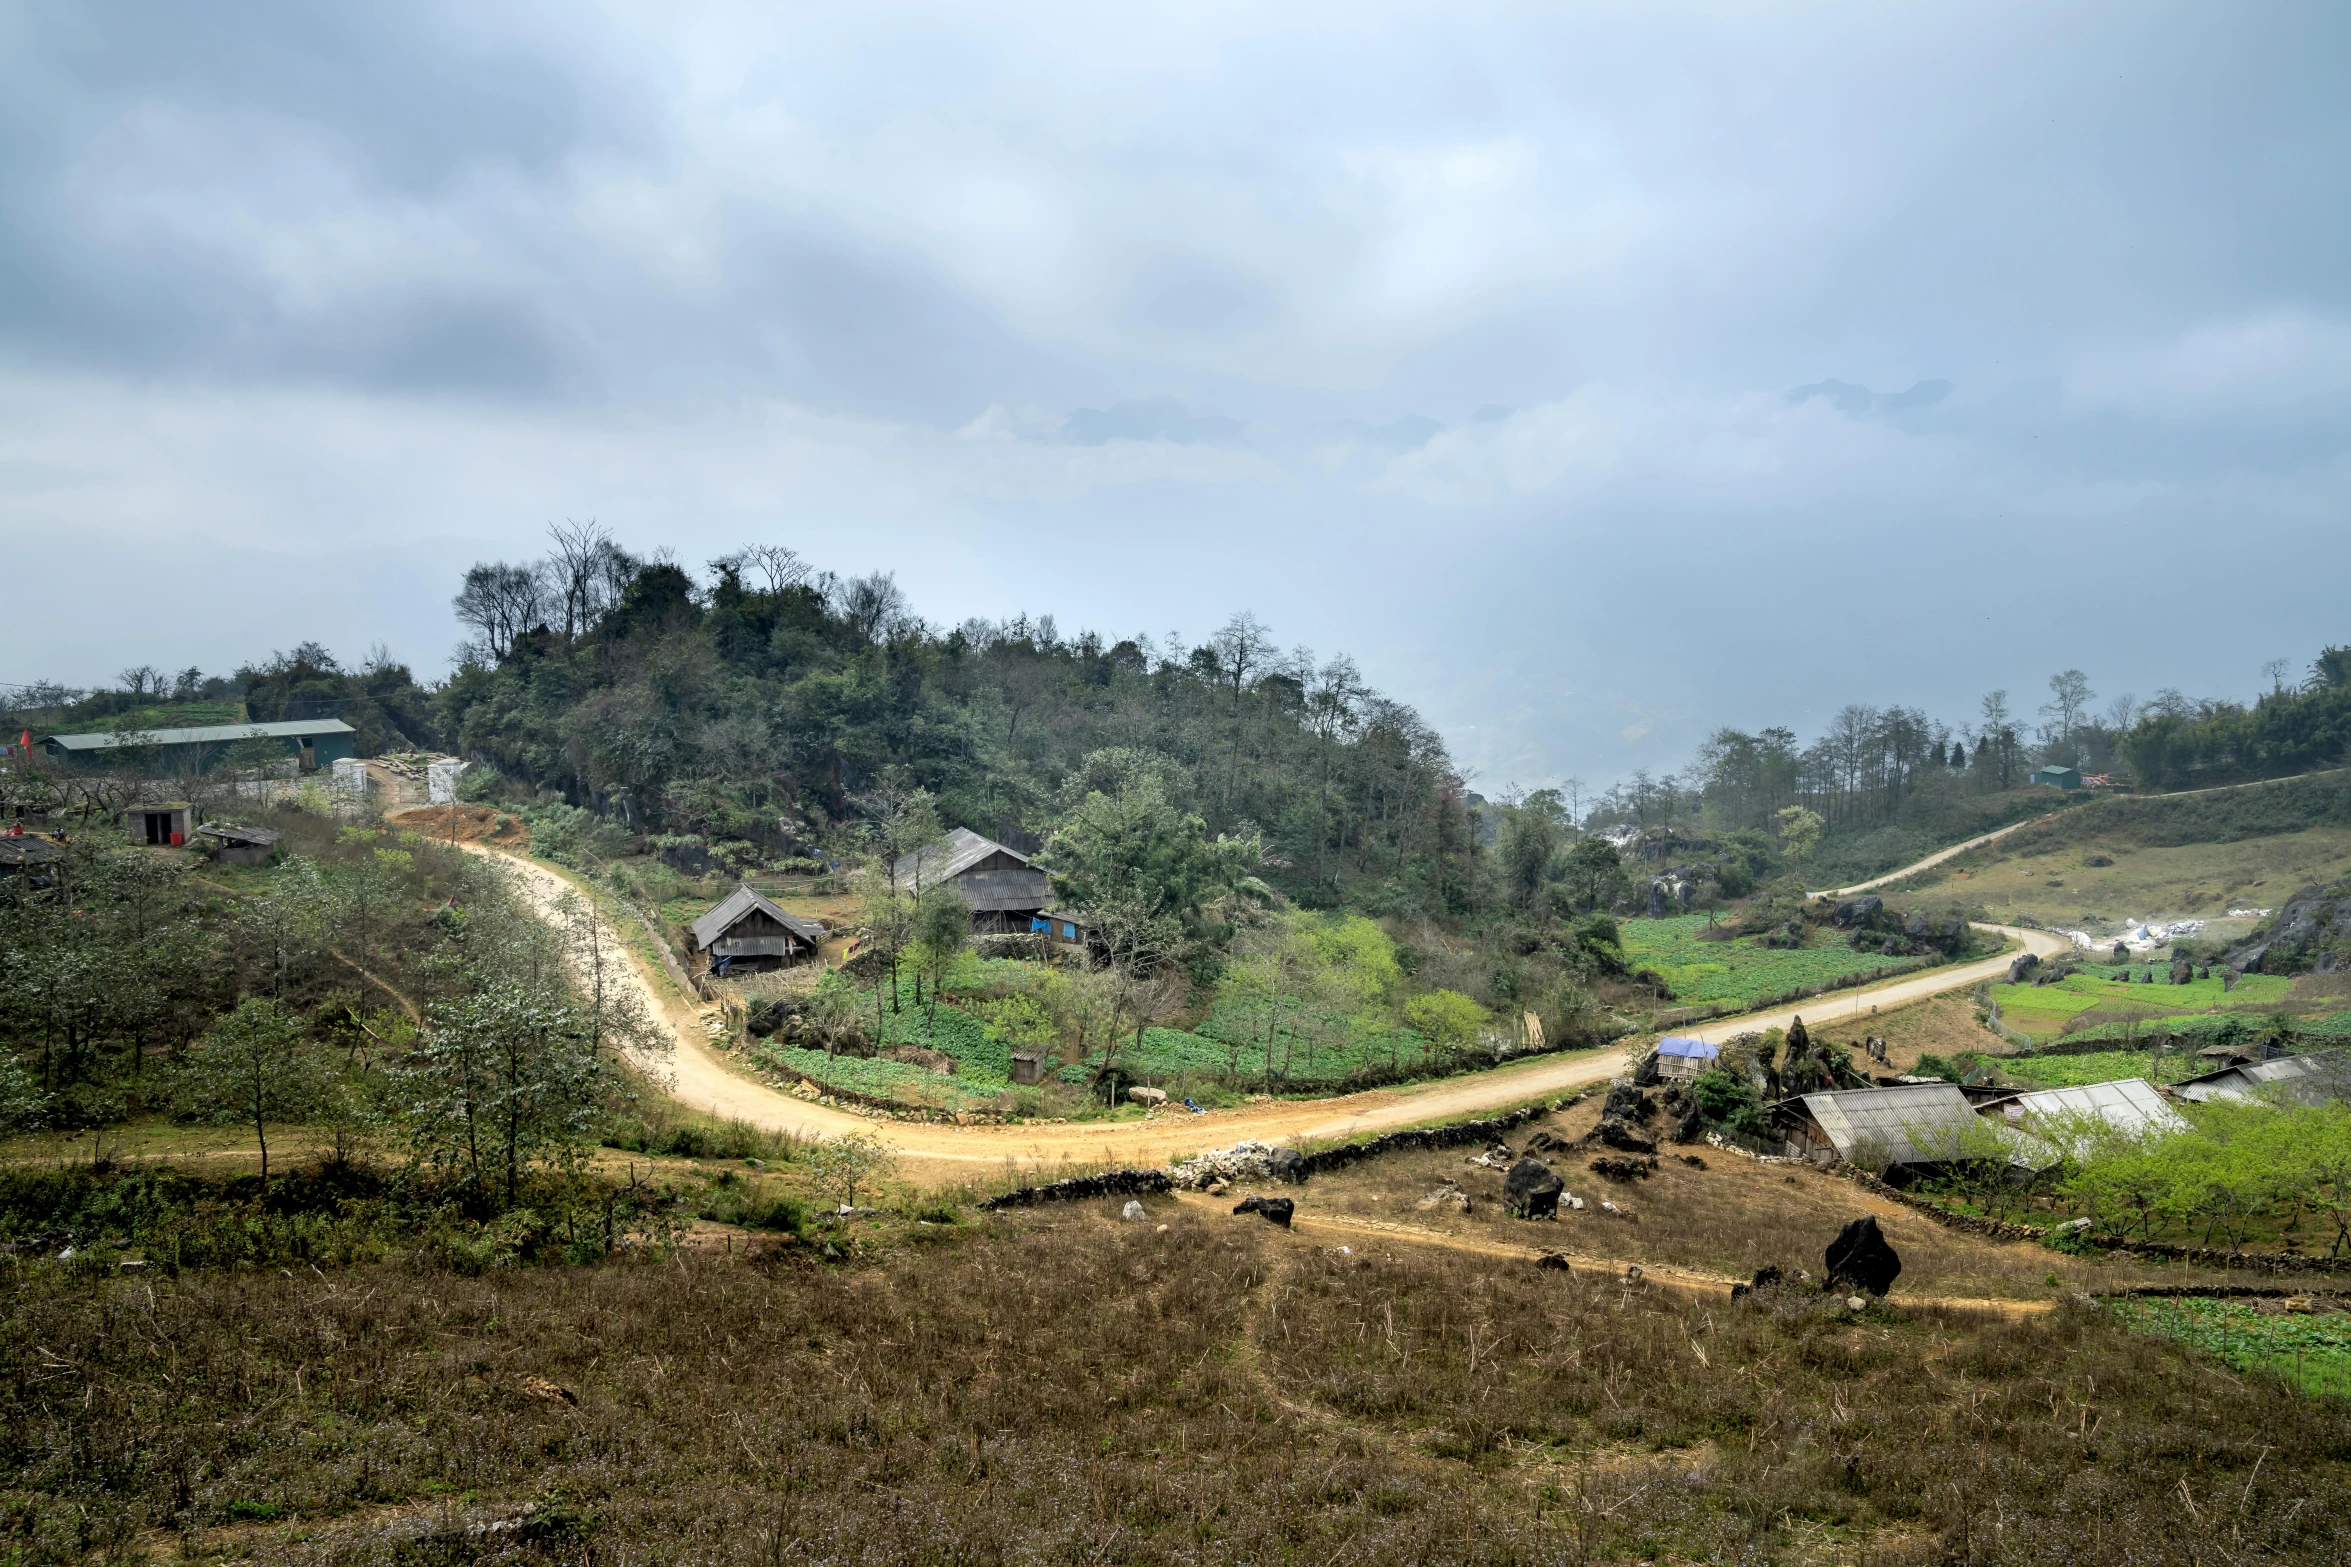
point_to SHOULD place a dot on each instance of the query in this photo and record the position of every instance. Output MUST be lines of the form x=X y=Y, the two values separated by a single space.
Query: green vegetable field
x=2043 y=1010
x=2312 y=1351
x=1700 y=972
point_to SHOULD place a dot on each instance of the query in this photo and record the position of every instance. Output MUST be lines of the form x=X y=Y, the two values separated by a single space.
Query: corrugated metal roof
x=2128 y=1104
x=230 y=832
x=1916 y=1123
x=1694 y=1049
x=2308 y=1080
x=204 y=734
x=742 y=901
x=946 y=861
x=28 y=851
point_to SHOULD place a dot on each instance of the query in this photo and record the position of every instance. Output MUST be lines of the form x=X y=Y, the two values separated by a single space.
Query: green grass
x=2102 y=1066
x=1743 y=970
x=2312 y=1352
x=2042 y=1010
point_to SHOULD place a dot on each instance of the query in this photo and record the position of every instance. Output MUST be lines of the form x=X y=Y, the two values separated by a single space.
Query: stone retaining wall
x=1486 y=1131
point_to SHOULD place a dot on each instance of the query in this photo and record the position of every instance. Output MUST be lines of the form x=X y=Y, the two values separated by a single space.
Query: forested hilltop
x=758 y=714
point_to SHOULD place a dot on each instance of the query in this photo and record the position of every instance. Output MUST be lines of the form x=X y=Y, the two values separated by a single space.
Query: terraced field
x=1700 y=971
x=2043 y=1011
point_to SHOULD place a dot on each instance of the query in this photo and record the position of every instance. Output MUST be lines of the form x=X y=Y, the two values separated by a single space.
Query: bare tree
x=2122 y=712
x=142 y=680
x=588 y=571
x=2276 y=670
x=2069 y=702
x=778 y=566
x=874 y=605
x=501 y=602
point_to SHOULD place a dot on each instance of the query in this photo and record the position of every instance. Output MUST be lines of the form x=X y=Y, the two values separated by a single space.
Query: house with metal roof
x=2303 y=1080
x=1907 y=1128
x=312 y=742
x=2056 y=777
x=746 y=931
x=2071 y=1118
x=1006 y=892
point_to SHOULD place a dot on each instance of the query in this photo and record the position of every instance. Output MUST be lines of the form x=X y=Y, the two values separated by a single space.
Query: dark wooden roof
x=742 y=901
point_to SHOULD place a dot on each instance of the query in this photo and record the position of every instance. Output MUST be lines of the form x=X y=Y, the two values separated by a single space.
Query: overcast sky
x=1595 y=374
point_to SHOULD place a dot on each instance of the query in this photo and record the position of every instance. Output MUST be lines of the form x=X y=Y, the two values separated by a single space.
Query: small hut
x=237 y=845
x=746 y=932
x=1679 y=1058
x=166 y=824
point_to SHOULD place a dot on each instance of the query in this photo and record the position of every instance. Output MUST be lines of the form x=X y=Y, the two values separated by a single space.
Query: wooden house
x=747 y=932
x=1683 y=1059
x=1005 y=891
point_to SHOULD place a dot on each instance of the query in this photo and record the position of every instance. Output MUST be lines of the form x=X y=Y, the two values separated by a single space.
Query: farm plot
x=2311 y=1351
x=2043 y=1011
x=1742 y=971
x=2100 y=1066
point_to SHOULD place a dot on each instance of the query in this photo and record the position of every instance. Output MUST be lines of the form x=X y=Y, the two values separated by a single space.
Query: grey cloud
x=1159 y=418
x=1860 y=400
x=1408 y=434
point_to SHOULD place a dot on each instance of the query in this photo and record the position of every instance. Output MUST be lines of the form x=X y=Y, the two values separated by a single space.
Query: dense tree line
x=759 y=711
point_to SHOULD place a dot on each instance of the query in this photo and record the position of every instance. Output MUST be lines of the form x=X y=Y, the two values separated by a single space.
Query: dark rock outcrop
x=2020 y=967
x=1861 y=1257
x=1531 y=1190
x=1623 y=1136
x=1854 y=913
x=2314 y=925
x=1276 y=1209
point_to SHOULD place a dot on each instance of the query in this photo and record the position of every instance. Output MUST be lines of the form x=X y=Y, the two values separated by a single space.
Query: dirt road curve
x=697 y=1077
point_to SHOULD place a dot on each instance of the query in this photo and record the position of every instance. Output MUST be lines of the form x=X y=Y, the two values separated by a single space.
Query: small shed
x=1911 y=1126
x=33 y=858
x=1685 y=1058
x=2057 y=777
x=1063 y=928
x=2304 y=1080
x=746 y=931
x=165 y=824
x=239 y=845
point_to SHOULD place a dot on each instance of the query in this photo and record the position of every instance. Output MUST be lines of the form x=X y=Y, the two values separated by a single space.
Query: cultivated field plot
x=2043 y=1011
x=1743 y=971
x=2098 y=1066
x=2310 y=1350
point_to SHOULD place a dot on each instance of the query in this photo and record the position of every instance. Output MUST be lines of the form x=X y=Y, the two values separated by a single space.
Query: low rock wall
x=1078 y=1188
x=1455 y=1136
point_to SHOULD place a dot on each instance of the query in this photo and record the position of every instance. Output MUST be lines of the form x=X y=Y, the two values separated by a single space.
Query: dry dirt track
x=699 y=1079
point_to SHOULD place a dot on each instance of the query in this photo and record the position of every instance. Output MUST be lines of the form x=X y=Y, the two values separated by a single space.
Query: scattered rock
x=1609 y=1167
x=2298 y=1304
x=1632 y=1273
x=1555 y=1261
x=1854 y=1303
x=1548 y=1142
x=1217 y=1188
x=1244 y=1161
x=1854 y=913
x=1496 y=1156
x=920 y=1055
x=1162 y=1230
x=1693 y=1161
x=1531 y=1190
x=1133 y=1210
x=2098 y=862
x=2073 y=1227
x=1445 y=1196
x=1861 y=1257
x=2021 y=967
x=1276 y=1209
x=1626 y=1103
x=1624 y=1136
x=1765 y=1276
x=1153 y=1097
x=1608 y=1207
x=1576 y=1203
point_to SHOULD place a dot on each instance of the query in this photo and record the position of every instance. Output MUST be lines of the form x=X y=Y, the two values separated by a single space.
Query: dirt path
x=1681 y=1280
x=1977 y=842
x=698 y=1078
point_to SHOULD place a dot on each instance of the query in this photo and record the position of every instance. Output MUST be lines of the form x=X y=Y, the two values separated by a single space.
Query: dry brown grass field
x=2056 y=885
x=1066 y=1385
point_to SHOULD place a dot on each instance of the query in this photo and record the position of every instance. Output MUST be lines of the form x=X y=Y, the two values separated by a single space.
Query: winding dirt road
x=699 y=1078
